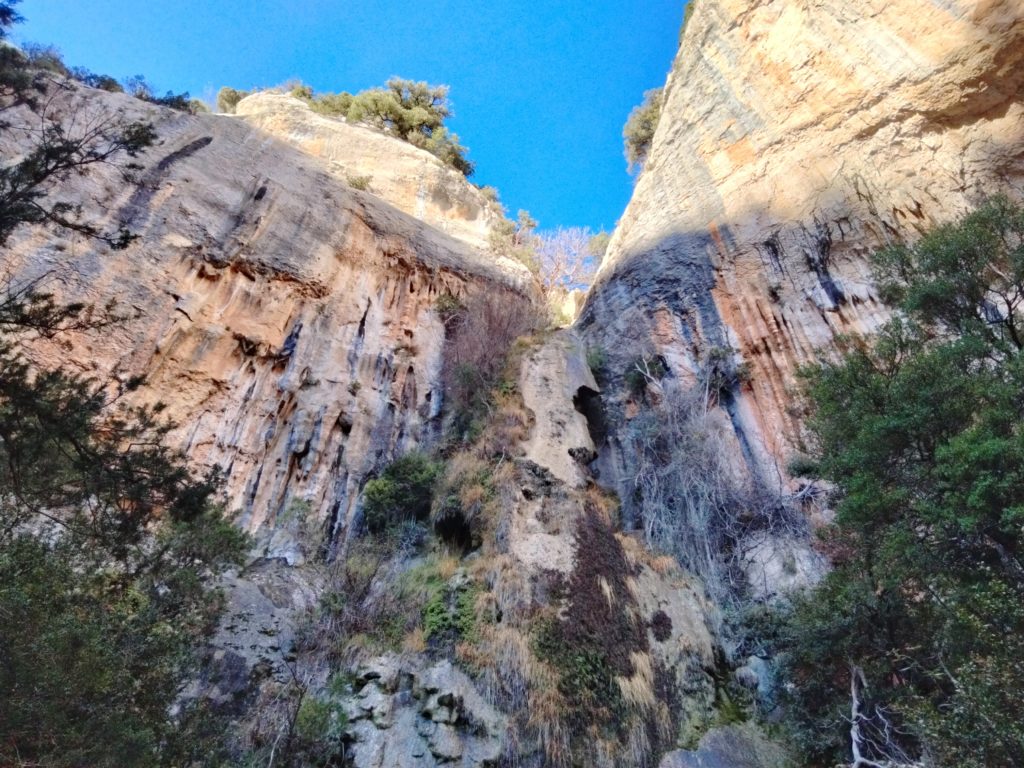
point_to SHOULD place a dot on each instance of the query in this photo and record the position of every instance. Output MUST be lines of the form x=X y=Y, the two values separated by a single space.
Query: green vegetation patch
x=404 y=491
x=922 y=429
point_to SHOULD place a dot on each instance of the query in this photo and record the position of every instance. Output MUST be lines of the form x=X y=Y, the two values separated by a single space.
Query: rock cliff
x=795 y=138
x=292 y=324
x=411 y=179
x=287 y=320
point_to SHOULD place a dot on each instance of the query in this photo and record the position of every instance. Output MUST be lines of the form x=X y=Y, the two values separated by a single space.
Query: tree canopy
x=414 y=111
x=912 y=646
x=108 y=541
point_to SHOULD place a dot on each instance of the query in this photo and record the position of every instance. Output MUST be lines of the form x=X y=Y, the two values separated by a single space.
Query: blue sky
x=541 y=89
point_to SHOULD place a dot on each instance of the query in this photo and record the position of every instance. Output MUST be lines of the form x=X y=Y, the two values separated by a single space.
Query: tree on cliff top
x=414 y=111
x=638 y=132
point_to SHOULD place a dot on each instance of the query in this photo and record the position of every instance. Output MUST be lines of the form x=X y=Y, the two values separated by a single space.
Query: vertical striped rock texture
x=796 y=137
x=287 y=320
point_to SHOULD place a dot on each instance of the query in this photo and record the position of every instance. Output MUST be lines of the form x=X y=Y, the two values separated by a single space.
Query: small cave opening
x=588 y=402
x=455 y=531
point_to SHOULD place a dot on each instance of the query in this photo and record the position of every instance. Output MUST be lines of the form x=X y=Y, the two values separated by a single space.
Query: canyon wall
x=290 y=323
x=796 y=137
x=287 y=320
x=409 y=178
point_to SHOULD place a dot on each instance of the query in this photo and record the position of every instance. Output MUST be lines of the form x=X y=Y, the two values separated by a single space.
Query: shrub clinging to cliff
x=638 y=132
x=404 y=491
x=228 y=98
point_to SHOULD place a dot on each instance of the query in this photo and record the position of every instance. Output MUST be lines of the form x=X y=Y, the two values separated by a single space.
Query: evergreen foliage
x=25 y=186
x=687 y=15
x=413 y=111
x=228 y=98
x=638 y=132
x=108 y=543
x=597 y=247
x=913 y=646
x=404 y=491
x=517 y=240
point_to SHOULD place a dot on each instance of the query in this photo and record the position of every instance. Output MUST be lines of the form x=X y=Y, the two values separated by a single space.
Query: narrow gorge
x=306 y=295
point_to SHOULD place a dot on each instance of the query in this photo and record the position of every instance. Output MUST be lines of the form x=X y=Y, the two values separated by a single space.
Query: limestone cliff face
x=409 y=178
x=287 y=320
x=795 y=138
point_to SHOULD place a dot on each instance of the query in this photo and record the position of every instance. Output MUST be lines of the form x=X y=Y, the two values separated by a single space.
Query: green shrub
x=332 y=104
x=517 y=240
x=101 y=82
x=585 y=678
x=450 y=613
x=803 y=466
x=921 y=429
x=448 y=307
x=320 y=723
x=598 y=246
x=301 y=91
x=138 y=87
x=228 y=98
x=404 y=491
x=687 y=15
x=413 y=111
x=313 y=721
x=45 y=57
x=638 y=132
x=361 y=183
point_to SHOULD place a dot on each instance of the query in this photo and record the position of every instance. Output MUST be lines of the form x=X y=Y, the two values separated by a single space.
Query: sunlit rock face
x=795 y=139
x=287 y=321
x=411 y=179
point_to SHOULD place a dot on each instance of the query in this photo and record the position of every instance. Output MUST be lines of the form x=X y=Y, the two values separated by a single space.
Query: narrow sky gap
x=541 y=90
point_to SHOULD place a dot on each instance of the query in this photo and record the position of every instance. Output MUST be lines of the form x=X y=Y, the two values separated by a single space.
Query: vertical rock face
x=287 y=321
x=290 y=324
x=796 y=138
x=411 y=179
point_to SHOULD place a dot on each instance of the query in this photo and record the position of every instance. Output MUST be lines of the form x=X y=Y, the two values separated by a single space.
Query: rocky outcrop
x=795 y=138
x=564 y=608
x=287 y=321
x=411 y=179
x=729 y=747
x=407 y=714
x=557 y=386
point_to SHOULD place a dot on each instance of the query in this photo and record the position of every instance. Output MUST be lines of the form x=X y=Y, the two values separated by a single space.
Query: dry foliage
x=479 y=335
x=695 y=503
x=567 y=259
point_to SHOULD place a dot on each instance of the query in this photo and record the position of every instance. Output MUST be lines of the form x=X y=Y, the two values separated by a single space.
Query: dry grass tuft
x=547 y=708
x=638 y=689
x=603 y=501
x=511 y=588
x=446 y=567
x=414 y=641
x=507 y=428
x=663 y=565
